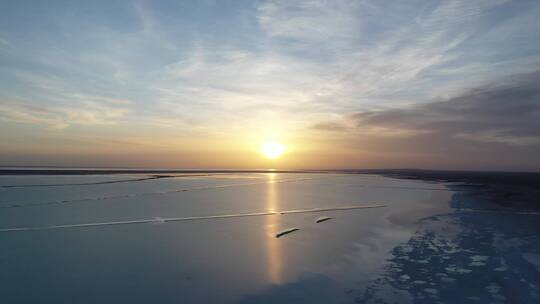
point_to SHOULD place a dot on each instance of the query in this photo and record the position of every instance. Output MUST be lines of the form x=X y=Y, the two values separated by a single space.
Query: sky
x=203 y=84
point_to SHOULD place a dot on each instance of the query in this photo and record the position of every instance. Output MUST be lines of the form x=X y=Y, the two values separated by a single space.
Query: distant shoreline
x=503 y=188
x=440 y=175
x=104 y=171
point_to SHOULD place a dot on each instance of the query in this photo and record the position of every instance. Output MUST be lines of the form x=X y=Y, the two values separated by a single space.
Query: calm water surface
x=348 y=259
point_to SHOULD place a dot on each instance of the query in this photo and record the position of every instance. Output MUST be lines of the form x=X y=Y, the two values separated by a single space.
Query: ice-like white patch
x=533 y=259
x=448 y=280
x=407 y=249
x=503 y=266
x=493 y=289
x=479 y=258
x=419 y=282
x=454 y=269
x=159 y=220
x=477 y=264
x=406 y=258
x=404 y=277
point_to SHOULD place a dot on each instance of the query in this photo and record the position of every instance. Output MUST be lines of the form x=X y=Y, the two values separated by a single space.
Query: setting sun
x=272 y=150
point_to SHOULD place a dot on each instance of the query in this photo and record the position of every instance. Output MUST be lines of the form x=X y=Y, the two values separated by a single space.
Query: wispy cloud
x=86 y=112
x=4 y=43
x=301 y=20
x=343 y=70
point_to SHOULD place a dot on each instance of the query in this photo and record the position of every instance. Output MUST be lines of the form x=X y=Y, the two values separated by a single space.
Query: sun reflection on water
x=273 y=245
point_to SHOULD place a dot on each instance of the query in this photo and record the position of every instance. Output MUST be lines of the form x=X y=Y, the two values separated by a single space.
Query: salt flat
x=406 y=249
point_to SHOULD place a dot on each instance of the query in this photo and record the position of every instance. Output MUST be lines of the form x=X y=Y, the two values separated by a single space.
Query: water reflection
x=272 y=243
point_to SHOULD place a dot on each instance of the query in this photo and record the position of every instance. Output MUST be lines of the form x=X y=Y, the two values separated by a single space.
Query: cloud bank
x=506 y=112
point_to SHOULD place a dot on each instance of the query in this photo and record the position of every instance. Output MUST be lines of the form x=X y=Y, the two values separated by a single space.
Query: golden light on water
x=272 y=150
x=273 y=246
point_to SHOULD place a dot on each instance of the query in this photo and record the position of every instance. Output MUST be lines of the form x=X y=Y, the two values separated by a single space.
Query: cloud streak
x=87 y=112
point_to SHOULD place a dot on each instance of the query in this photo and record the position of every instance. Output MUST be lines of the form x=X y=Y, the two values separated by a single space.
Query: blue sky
x=79 y=79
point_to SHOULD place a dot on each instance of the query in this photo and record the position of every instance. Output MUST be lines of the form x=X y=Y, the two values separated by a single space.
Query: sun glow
x=272 y=150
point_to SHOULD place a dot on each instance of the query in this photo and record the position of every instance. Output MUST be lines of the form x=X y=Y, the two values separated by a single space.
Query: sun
x=272 y=150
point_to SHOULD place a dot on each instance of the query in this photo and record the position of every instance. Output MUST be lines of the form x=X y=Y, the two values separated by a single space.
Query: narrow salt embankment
x=126 y=180
x=124 y=196
x=180 y=219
